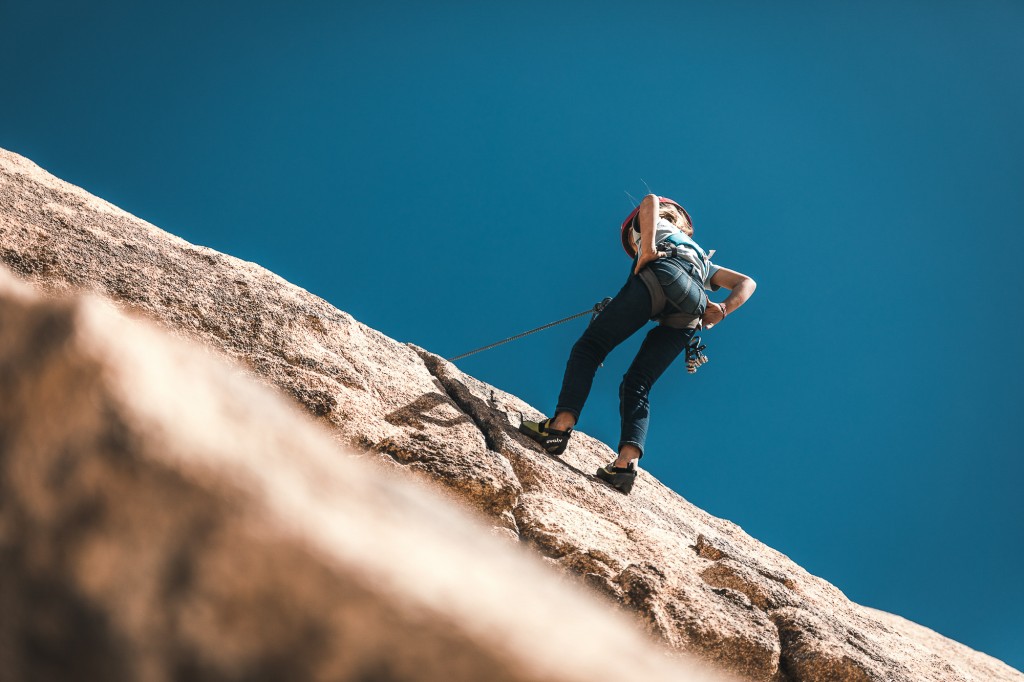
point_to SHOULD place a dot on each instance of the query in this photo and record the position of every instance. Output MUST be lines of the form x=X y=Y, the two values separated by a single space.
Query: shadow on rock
x=416 y=413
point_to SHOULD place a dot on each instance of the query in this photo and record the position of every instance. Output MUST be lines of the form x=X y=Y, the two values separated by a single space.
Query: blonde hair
x=672 y=214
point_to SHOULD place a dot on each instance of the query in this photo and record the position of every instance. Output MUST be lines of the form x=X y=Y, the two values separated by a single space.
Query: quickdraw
x=695 y=355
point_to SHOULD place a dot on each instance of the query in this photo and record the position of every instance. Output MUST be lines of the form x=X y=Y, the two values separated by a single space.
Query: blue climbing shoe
x=552 y=440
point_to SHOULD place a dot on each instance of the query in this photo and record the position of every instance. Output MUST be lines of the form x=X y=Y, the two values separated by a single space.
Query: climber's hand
x=714 y=314
x=646 y=258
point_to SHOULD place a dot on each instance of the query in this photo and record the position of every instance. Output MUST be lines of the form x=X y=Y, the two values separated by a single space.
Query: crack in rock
x=462 y=397
x=491 y=420
x=473 y=408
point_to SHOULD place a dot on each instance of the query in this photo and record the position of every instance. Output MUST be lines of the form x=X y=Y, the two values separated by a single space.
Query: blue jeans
x=624 y=315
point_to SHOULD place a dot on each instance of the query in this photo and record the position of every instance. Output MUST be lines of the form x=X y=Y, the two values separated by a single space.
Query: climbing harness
x=695 y=355
x=598 y=307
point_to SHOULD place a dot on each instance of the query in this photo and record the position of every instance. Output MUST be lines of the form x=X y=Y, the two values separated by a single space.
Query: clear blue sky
x=454 y=173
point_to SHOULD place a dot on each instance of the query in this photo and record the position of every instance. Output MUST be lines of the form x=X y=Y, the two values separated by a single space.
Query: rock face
x=163 y=517
x=697 y=582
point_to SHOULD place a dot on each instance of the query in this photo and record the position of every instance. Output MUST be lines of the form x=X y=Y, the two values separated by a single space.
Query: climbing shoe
x=620 y=478
x=552 y=440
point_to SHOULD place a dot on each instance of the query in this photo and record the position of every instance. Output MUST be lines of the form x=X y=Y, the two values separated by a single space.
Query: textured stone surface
x=697 y=582
x=163 y=517
x=374 y=391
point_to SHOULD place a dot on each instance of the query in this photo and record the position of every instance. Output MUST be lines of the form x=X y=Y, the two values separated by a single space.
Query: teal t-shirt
x=690 y=250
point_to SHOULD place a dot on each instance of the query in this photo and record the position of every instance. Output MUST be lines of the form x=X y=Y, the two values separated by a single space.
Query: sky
x=453 y=173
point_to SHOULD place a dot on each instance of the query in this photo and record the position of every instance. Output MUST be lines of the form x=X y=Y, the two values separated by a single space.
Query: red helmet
x=627 y=225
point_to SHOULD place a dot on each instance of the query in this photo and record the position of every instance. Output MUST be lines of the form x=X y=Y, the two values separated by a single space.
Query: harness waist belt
x=673 y=250
x=659 y=303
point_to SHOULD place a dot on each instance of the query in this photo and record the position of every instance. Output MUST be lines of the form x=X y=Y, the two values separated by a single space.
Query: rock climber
x=670 y=275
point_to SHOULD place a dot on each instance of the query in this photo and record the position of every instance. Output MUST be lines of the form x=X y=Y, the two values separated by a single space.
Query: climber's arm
x=648 y=220
x=741 y=288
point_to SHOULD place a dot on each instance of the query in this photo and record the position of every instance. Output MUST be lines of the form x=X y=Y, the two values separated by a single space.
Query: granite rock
x=696 y=582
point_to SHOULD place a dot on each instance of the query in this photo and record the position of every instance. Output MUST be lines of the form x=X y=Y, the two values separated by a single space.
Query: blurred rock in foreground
x=162 y=517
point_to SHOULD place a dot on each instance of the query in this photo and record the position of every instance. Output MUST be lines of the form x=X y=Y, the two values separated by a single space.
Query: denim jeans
x=622 y=317
x=681 y=285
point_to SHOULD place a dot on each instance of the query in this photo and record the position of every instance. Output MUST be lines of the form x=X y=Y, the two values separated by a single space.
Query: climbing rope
x=598 y=307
